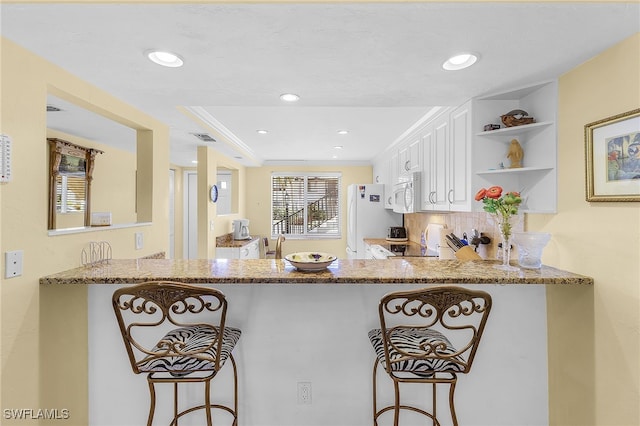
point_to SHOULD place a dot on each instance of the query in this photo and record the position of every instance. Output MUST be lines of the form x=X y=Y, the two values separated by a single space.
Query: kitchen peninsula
x=342 y=271
x=312 y=327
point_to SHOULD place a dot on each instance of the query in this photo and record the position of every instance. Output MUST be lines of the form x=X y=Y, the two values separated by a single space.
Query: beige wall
x=259 y=205
x=594 y=340
x=208 y=163
x=43 y=330
x=178 y=209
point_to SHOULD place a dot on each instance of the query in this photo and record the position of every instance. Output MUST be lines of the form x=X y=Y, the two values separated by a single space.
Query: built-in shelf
x=83 y=229
x=518 y=170
x=515 y=130
x=538 y=140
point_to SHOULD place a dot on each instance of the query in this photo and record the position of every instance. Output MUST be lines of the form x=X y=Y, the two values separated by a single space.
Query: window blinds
x=71 y=194
x=305 y=205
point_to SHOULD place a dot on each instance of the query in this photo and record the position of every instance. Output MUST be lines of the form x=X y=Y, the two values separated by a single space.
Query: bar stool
x=268 y=254
x=176 y=333
x=414 y=341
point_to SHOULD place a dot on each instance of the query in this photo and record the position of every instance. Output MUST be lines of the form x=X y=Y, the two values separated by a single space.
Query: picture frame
x=612 y=151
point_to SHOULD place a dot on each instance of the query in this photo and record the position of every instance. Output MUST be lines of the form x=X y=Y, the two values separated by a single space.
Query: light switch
x=13 y=263
x=139 y=241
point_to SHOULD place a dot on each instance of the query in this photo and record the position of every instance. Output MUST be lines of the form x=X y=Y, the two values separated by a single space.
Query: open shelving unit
x=537 y=179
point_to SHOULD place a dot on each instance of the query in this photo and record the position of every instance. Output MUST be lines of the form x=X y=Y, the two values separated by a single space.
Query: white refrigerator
x=367 y=217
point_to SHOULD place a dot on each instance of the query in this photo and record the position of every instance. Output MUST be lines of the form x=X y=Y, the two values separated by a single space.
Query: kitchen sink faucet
x=279 y=246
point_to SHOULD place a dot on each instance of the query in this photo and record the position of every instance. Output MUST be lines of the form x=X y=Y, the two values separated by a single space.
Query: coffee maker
x=241 y=229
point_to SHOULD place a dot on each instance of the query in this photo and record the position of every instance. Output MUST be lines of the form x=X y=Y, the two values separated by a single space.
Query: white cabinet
x=537 y=179
x=227 y=252
x=459 y=194
x=410 y=156
x=446 y=176
x=435 y=139
x=250 y=250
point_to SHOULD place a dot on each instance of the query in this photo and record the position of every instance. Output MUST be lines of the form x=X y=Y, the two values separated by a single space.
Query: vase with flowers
x=505 y=210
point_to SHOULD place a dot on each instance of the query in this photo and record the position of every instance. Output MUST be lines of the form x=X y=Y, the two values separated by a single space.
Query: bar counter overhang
x=312 y=327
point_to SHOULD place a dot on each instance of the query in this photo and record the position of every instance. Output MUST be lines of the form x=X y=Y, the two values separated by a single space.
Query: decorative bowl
x=310 y=261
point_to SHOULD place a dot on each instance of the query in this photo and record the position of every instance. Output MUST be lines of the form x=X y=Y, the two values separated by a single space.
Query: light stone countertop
x=342 y=271
x=409 y=248
x=228 y=241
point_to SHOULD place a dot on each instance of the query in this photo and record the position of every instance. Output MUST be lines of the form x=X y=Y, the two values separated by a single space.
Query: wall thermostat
x=5 y=158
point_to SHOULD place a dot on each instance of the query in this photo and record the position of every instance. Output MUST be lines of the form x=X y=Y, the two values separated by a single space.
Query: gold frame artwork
x=612 y=150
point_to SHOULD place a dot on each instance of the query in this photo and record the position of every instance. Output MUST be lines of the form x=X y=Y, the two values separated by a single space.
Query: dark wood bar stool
x=428 y=335
x=176 y=333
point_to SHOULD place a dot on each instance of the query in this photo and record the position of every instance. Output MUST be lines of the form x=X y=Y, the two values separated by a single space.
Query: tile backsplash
x=459 y=223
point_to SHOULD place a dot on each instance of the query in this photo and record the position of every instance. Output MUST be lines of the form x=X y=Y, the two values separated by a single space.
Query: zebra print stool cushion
x=416 y=341
x=188 y=339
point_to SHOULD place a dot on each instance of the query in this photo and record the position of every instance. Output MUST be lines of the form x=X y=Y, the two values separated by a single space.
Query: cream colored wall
x=258 y=191
x=43 y=329
x=208 y=163
x=594 y=339
x=222 y=224
x=178 y=209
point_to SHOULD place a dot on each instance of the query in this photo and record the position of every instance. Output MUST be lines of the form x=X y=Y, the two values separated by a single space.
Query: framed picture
x=612 y=148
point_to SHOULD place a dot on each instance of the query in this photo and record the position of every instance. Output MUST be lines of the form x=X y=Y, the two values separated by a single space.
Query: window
x=70 y=175
x=70 y=194
x=305 y=205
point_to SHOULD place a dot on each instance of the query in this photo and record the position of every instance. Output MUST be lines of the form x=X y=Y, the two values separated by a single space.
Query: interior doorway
x=172 y=213
x=190 y=215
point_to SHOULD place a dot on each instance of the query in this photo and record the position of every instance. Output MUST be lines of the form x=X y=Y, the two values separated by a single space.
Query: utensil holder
x=467 y=253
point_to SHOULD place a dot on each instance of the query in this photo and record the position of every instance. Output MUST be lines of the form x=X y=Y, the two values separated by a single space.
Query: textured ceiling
x=371 y=68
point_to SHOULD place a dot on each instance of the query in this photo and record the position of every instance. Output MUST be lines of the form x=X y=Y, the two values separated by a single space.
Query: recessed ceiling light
x=262 y=132
x=459 y=62
x=289 y=97
x=166 y=59
x=337 y=147
x=194 y=161
x=343 y=132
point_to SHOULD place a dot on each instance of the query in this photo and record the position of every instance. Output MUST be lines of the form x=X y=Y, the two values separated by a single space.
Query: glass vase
x=505 y=228
x=530 y=246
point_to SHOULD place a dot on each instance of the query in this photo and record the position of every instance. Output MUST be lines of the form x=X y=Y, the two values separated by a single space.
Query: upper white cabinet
x=459 y=194
x=536 y=180
x=410 y=156
x=457 y=156
x=446 y=173
x=435 y=139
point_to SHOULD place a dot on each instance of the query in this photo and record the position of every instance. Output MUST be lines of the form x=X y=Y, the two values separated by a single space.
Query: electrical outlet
x=139 y=240
x=304 y=392
x=13 y=263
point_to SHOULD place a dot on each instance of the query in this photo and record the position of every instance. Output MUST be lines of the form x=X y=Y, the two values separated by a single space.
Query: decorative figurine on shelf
x=515 y=154
x=516 y=117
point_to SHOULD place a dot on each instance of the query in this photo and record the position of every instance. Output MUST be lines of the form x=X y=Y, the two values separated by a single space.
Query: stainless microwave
x=406 y=193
